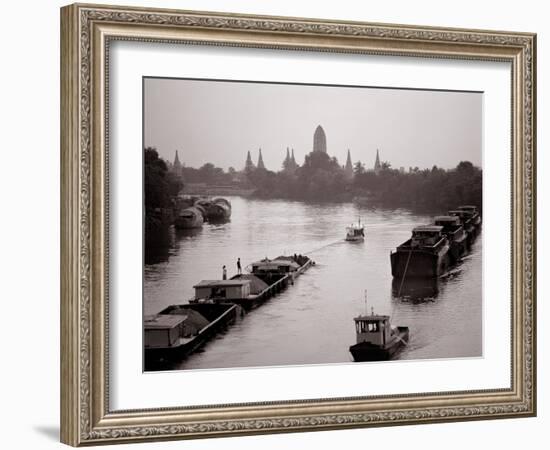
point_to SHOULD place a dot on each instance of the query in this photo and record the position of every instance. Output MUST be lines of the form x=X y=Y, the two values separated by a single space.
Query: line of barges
x=181 y=329
x=434 y=248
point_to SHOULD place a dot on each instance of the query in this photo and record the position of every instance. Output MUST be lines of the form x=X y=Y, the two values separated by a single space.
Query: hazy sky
x=218 y=122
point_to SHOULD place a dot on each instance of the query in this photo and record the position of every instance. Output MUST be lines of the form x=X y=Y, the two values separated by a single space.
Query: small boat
x=189 y=218
x=377 y=339
x=425 y=254
x=180 y=330
x=355 y=232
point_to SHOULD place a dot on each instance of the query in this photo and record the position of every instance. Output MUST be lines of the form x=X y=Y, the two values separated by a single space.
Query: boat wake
x=339 y=241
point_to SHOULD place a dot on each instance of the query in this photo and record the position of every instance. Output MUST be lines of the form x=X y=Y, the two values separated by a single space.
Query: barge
x=219 y=210
x=189 y=218
x=454 y=231
x=432 y=249
x=266 y=278
x=377 y=339
x=180 y=330
x=425 y=254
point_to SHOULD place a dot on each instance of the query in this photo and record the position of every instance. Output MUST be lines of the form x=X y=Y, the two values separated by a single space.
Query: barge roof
x=428 y=228
x=163 y=321
x=446 y=219
x=221 y=283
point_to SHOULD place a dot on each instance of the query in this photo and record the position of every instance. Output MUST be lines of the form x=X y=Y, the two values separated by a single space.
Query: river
x=312 y=321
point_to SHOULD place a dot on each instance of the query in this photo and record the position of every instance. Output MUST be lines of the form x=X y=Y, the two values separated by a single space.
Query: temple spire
x=349 y=166
x=177 y=167
x=377 y=165
x=319 y=140
x=260 y=160
x=248 y=165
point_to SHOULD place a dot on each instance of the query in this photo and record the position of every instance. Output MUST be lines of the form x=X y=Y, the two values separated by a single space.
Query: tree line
x=321 y=178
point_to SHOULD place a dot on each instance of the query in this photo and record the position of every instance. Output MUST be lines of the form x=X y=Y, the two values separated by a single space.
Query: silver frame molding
x=86 y=31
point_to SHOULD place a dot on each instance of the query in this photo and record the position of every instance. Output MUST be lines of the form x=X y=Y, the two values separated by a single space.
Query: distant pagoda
x=177 y=167
x=293 y=163
x=348 y=169
x=289 y=164
x=319 y=140
x=260 y=160
x=377 y=165
x=249 y=165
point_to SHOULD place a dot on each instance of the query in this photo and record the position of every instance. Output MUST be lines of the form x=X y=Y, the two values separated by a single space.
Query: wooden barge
x=266 y=278
x=179 y=330
x=432 y=249
x=425 y=254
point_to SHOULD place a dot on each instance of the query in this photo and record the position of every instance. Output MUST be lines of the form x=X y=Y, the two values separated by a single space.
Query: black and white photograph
x=294 y=224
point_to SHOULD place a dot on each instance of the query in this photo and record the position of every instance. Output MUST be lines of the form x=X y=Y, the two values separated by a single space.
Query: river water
x=312 y=321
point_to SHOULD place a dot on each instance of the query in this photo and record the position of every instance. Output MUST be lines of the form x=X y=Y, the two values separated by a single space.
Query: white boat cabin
x=222 y=289
x=426 y=235
x=373 y=329
x=355 y=232
x=163 y=330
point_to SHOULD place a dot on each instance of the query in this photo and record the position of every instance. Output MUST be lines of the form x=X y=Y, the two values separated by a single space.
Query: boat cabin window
x=218 y=292
x=367 y=327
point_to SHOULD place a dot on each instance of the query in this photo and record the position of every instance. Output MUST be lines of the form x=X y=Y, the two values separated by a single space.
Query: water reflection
x=415 y=290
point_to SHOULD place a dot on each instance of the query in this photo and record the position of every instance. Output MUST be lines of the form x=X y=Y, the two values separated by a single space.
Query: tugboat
x=355 y=232
x=377 y=339
x=425 y=254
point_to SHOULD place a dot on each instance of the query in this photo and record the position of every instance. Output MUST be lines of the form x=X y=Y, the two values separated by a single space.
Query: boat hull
x=365 y=351
x=355 y=238
x=417 y=263
x=458 y=249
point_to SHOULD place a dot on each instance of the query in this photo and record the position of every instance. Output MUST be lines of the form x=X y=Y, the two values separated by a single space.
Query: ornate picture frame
x=86 y=34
